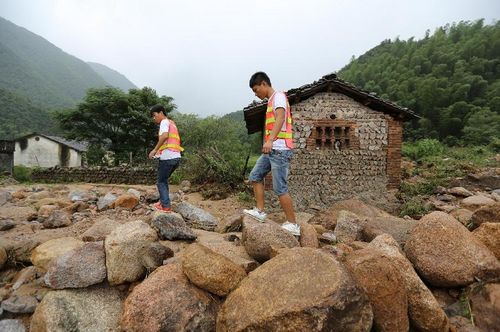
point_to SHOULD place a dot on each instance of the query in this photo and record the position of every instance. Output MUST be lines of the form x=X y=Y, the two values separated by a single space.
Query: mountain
x=112 y=77
x=450 y=78
x=37 y=77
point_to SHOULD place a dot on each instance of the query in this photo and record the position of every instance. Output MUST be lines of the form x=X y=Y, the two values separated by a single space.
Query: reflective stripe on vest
x=173 y=142
x=286 y=134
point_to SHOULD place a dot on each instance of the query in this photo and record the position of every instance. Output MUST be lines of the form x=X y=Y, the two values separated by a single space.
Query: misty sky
x=203 y=53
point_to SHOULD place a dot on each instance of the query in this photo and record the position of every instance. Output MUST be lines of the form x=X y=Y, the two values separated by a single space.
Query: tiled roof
x=75 y=145
x=254 y=113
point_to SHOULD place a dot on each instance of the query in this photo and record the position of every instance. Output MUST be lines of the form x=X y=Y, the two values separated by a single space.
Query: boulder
x=105 y=201
x=486 y=214
x=211 y=271
x=485 y=305
x=460 y=191
x=124 y=248
x=308 y=236
x=301 y=289
x=489 y=234
x=475 y=202
x=12 y=325
x=42 y=255
x=424 y=311
x=96 y=308
x=385 y=287
x=349 y=227
x=377 y=221
x=232 y=223
x=57 y=218
x=462 y=215
x=446 y=254
x=126 y=201
x=99 y=230
x=78 y=268
x=5 y=196
x=167 y=301
x=171 y=226
x=60 y=203
x=45 y=211
x=134 y=192
x=262 y=239
x=196 y=217
x=236 y=253
x=26 y=275
x=81 y=195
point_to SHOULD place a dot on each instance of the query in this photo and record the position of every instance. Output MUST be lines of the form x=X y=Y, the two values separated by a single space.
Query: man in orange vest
x=168 y=151
x=277 y=152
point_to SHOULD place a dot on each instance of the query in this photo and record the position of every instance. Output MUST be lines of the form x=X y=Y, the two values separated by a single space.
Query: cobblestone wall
x=124 y=175
x=321 y=175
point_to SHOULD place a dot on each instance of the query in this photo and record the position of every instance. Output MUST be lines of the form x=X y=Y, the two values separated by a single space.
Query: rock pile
x=102 y=261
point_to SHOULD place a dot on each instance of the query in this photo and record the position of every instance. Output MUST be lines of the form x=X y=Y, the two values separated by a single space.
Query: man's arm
x=161 y=140
x=280 y=119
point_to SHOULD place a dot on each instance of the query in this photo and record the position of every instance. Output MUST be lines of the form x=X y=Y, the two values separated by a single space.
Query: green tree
x=112 y=120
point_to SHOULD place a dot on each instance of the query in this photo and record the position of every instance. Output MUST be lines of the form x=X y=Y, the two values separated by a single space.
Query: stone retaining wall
x=124 y=175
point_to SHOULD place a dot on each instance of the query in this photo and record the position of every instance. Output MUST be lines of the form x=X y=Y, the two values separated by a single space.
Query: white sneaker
x=256 y=213
x=292 y=228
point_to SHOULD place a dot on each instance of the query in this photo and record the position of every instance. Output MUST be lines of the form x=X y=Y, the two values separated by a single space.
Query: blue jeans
x=165 y=169
x=277 y=162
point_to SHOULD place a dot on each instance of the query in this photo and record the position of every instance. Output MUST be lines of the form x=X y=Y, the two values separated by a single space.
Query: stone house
x=6 y=156
x=48 y=151
x=347 y=141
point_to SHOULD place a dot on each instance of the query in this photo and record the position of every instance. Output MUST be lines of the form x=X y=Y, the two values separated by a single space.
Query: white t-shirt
x=279 y=101
x=167 y=154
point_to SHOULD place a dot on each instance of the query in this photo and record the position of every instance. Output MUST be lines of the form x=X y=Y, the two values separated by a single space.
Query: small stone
x=24 y=304
x=6 y=224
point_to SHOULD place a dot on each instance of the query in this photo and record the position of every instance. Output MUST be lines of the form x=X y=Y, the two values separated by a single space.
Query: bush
x=22 y=173
x=414 y=208
x=422 y=148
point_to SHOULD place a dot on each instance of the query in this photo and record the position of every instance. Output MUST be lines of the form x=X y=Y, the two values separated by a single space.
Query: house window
x=335 y=135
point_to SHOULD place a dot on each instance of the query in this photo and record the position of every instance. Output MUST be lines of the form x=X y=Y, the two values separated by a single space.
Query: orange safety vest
x=173 y=142
x=271 y=119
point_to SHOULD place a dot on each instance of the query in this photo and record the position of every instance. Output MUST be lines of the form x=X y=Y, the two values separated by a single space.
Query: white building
x=48 y=151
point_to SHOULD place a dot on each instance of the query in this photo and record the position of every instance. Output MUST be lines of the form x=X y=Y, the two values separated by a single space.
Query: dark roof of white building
x=75 y=145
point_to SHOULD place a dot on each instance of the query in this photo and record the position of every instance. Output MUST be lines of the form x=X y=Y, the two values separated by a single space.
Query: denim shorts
x=277 y=163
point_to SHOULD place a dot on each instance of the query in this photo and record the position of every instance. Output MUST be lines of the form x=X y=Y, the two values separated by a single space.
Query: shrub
x=22 y=173
x=422 y=148
x=414 y=208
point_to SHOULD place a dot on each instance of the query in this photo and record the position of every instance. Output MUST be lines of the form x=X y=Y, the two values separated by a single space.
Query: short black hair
x=258 y=78
x=158 y=108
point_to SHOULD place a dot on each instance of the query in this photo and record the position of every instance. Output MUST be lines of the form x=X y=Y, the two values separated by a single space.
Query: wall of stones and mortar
x=123 y=175
x=321 y=177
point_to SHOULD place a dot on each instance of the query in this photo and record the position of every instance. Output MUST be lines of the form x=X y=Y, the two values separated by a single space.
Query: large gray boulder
x=124 y=248
x=301 y=289
x=446 y=254
x=196 y=217
x=96 y=308
x=78 y=268
x=12 y=325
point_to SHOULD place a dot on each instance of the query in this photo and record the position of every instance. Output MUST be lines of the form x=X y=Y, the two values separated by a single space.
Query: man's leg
x=287 y=206
x=258 y=191
x=162 y=183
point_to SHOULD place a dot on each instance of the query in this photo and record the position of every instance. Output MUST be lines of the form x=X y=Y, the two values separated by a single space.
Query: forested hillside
x=112 y=77
x=36 y=77
x=450 y=78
